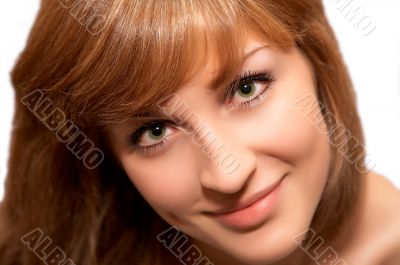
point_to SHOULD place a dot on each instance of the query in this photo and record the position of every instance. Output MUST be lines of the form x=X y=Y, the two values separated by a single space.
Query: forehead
x=201 y=86
x=154 y=58
x=213 y=70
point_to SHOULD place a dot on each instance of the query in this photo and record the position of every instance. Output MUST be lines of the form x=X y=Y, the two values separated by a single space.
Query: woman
x=194 y=132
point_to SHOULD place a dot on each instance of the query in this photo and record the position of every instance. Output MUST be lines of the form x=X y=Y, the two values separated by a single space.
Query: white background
x=373 y=61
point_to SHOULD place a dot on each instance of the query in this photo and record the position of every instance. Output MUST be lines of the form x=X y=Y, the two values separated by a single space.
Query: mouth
x=252 y=211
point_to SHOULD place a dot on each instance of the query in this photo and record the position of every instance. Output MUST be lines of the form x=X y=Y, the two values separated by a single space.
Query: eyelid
x=139 y=130
x=261 y=75
x=160 y=146
x=258 y=75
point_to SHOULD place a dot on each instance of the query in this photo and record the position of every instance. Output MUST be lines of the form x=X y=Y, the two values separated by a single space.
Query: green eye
x=151 y=136
x=247 y=89
x=156 y=131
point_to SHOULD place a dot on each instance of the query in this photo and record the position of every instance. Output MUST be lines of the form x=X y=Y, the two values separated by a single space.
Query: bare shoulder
x=372 y=235
x=383 y=197
x=383 y=218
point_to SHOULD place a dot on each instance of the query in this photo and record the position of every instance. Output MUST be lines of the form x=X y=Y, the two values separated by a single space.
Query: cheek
x=280 y=127
x=167 y=183
x=285 y=132
x=288 y=134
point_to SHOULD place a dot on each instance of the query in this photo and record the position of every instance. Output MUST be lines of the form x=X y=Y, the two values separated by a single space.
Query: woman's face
x=229 y=153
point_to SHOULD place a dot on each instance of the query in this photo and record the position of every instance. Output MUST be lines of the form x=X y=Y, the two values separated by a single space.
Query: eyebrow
x=148 y=115
x=253 y=51
x=219 y=80
x=215 y=82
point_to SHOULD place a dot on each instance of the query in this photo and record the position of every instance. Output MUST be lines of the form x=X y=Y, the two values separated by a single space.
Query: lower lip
x=253 y=215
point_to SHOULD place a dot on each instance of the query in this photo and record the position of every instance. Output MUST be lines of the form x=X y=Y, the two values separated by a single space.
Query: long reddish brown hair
x=101 y=72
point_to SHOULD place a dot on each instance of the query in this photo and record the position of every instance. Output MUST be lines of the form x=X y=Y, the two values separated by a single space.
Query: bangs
x=149 y=49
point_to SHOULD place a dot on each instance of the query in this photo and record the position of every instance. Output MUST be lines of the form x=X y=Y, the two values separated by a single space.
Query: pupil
x=246 y=88
x=157 y=130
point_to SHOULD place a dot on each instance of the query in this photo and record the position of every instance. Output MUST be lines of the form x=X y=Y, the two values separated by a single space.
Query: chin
x=277 y=241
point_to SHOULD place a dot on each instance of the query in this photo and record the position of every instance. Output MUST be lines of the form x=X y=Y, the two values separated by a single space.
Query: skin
x=372 y=235
x=273 y=141
x=269 y=145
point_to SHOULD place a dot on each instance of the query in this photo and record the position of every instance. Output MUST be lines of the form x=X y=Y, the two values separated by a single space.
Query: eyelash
x=135 y=136
x=249 y=76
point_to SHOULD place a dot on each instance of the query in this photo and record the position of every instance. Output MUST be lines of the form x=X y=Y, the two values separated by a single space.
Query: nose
x=227 y=169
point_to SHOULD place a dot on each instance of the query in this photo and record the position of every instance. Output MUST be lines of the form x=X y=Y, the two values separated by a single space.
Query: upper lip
x=249 y=201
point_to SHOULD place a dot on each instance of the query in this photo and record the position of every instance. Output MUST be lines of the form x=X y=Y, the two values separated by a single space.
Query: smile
x=253 y=213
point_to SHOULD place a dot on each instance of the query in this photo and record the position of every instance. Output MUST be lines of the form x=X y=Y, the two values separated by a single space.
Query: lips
x=252 y=211
x=251 y=200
